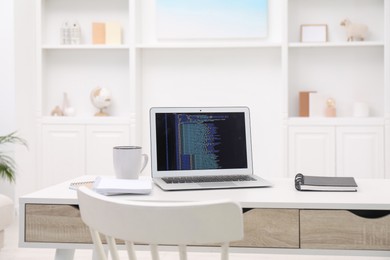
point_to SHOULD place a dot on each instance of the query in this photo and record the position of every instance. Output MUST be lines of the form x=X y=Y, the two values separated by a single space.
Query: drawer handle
x=75 y=206
x=372 y=214
x=244 y=210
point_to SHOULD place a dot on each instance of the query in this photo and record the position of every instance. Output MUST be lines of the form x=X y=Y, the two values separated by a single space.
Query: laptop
x=202 y=148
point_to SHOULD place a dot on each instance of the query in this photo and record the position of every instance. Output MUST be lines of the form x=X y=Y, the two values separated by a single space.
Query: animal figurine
x=354 y=31
x=57 y=111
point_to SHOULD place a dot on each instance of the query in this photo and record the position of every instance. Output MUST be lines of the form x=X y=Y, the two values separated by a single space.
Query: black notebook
x=319 y=183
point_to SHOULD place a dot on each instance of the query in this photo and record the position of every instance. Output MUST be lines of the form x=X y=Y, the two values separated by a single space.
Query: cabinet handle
x=372 y=214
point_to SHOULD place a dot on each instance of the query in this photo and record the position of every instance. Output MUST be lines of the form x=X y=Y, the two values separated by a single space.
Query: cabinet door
x=311 y=151
x=63 y=153
x=360 y=151
x=100 y=141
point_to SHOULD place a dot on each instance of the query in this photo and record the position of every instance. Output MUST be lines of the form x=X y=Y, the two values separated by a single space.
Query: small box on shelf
x=106 y=33
x=304 y=103
x=113 y=33
x=98 y=33
x=317 y=105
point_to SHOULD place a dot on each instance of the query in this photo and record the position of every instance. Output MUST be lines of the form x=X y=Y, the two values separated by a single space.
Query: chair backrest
x=154 y=223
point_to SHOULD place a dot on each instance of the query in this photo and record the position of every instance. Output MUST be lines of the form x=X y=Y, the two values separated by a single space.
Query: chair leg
x=130 y=250
x=183 y=252
x=154 y=252
x=112 y=247
x=225 y=251
x=98 y=244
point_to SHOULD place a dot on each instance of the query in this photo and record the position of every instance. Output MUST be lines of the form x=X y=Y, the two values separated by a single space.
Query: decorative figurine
x=355 y=31
x=70 y=33
x=330 y=110
x=101 y=99
x=65 y=33
x=66 y=108
x=75 y=33
x=57 y=111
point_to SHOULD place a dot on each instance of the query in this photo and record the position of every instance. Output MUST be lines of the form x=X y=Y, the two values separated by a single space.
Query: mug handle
x=145 y=158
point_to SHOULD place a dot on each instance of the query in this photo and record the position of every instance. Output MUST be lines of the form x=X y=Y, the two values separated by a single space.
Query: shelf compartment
x=369 y=12
x=103 y=68
x=347 y=75
x=56 y=12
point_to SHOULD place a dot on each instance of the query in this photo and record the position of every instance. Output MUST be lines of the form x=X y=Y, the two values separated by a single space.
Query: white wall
x=7 y=85
x=7 y=104
x=25 y=91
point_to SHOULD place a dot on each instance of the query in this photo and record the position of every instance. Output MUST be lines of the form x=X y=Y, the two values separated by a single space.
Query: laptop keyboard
x=200 y=179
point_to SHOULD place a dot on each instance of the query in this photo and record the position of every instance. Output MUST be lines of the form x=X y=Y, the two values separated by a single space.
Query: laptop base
x=258 y=183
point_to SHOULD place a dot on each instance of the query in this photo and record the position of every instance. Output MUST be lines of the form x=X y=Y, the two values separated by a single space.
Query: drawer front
x=342 y=229
x=55 y=224
x=272 y=228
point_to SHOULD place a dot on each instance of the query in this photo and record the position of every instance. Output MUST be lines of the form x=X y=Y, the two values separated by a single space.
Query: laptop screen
x=200 y=141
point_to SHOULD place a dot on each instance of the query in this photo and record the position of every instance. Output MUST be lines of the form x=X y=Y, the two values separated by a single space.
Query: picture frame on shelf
x=314 y=33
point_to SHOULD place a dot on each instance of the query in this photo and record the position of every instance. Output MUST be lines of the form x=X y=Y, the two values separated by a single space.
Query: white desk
x=299 y=212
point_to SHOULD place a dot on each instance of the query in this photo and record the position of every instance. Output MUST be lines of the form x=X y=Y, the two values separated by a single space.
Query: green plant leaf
x=7 y=163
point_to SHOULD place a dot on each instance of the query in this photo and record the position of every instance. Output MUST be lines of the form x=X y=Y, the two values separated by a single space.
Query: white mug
x=129 y=162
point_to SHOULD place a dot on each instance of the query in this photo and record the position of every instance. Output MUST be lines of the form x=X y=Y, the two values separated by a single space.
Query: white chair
x=159 y=223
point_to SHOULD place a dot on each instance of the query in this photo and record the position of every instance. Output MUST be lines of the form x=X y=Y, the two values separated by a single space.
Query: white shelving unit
x=346 y=72
x=81 y=144
x=264 y=74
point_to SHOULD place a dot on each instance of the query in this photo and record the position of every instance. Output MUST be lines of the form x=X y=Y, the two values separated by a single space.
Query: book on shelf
x=324 y=183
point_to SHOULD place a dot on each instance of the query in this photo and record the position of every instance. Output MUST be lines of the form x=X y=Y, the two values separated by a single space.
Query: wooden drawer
x=275 y=228
x=55 y=224
x=342 y=229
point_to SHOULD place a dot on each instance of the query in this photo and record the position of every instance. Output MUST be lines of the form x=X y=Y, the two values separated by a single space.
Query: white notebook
x=112 y=186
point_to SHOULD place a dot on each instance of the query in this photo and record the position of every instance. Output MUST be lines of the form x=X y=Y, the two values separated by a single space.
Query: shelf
x=336 y=44
x=85 y=47
x=335 y=121
x=85 y=120
x=206 y=45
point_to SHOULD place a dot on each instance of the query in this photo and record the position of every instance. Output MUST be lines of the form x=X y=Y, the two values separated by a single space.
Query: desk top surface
x=372 y=194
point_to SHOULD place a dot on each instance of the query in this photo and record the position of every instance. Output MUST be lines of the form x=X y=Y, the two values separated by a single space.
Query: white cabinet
x=337 y=151
x=63 y=153
x=69 y=151
x=99 y=143
x=82 y=144
x=347 y=72
x=360 y=152
x=311 y=151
